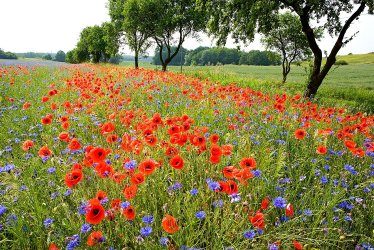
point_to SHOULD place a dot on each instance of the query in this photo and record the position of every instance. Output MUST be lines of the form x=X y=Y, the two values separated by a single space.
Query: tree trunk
x=164 y=65
x=317 y=75
x=136 y=59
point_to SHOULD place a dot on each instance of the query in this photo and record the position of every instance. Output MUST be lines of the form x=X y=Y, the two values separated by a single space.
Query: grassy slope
x=349 y=85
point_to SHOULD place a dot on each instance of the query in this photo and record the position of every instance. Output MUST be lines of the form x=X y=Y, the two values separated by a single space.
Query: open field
x=108 y=157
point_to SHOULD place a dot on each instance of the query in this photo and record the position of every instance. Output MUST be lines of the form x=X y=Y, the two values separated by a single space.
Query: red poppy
x=26 y=105
x=232 y=187
x=169 y=224
x=45 y=99
x=130 y=192
x=258 y=220
x=177 y=162
x=74 y=144
x=46 y=120
x=350 y=144
x=44 y=152
x=321 y=150
x=214 y=159
x=228 y=171
x=214 y=138
x=216 y=150
x=116 y=204
x=73 y=177
x=111 y=138
x=101 y=195
x=98 y=154
x=27 y=145
x=300 y=134
x=171 y=151
x=147 y=167
x=52 y=246
x=77 y=166
x=95 y=212
x=289 y=210
x=64 y=136
x=94 y=238
x=129 y=213
x=265 y=203
x=137 y=178
x=297 y=245
x=226 y=149
x=104 y=170
x=107 y=128
x=248 y=163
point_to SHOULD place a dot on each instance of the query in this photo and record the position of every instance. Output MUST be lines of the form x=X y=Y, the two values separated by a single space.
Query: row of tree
x=59 y=57
x=7 y=55
x=219 y=56
x=168 y=23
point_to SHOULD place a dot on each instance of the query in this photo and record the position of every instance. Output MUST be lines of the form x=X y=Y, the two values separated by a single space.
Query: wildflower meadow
x=105 y=157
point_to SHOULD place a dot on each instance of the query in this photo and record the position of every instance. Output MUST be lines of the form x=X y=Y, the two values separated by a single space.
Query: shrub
x=341 y=62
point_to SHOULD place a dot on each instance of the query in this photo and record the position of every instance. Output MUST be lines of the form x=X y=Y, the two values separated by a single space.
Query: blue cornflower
x=194 y=191
x=308 y=212
x=366 y=190
x=350 y=169
x=213 y=185
x=47 y=222
x=218 y=203
x=256 y=172
x=324 y=179
x=164 y=241
x=51 y=170
x=146 y=231
x=125 y=204
x=280 y=202
x=348 y=218
x=235 y=198
x=250 y=234
x=148 y=219
x=273 y=247
x=82 y=209
x=130 y=165
x=85 y=228
x=177 y=186
x=74 y=242
x=68 y=192
x=2 y=210
x=200 y=215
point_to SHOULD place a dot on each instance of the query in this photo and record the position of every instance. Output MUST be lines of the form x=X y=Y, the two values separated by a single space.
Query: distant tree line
x=7 y=55
x=220 y=56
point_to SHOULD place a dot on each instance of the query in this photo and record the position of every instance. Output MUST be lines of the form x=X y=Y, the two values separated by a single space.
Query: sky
x=52 y=25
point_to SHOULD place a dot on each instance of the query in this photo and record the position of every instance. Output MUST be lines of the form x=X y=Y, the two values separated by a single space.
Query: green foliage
x=115 y=59
x=60 y=56
x=262 y=58
x=96 y=43
x=7 y=55
x=341 y=62
x=47 y=57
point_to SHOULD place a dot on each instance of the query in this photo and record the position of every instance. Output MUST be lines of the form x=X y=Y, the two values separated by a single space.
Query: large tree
x=137 y=14
x=243 y=18
x=176 y=20
x=288 y=39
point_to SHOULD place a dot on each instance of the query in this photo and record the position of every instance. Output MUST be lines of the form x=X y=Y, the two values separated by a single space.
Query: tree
x=174 y=22
x=47 y=57
x=288 y=39
x=179 y=59
x=7 y=55
x=137 y=14
x=60 y=56
x=96 y=43
x=243 y=18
